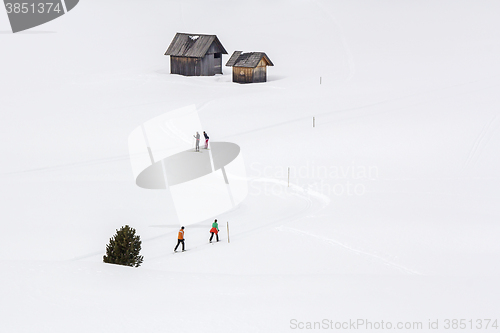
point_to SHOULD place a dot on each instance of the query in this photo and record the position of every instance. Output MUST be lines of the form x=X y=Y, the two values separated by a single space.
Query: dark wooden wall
x=209 y=65
x=206 y=66
x=259 y=74
x=215 y=65
x=185 y=66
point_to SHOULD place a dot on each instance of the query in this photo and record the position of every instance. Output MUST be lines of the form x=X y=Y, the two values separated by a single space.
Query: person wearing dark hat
x=206 y=139
x=180 y=239
x=214 y=230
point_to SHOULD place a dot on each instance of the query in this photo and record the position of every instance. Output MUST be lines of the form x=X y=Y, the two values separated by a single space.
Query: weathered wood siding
x=215 y=61
x=207 y=66
x=185 y=66
x=250 y=75
x=242 y=74
x=260 y=72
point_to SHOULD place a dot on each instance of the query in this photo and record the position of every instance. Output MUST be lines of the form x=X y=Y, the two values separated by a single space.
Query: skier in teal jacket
x=214 y=230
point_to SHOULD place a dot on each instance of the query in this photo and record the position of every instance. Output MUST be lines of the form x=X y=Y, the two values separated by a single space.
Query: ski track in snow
x=480 y=142
x=363 y=111
x=345 y=46
x=327 y=117
x=297 y=190
x=383 y=107
x=308 y=195
x=305 y=194
x=350 y=248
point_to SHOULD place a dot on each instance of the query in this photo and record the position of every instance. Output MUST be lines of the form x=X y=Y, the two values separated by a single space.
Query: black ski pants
x=212 y=236
x=179 y=241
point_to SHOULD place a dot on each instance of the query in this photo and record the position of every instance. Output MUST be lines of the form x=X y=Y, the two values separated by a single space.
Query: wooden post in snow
x=314 y=122
x=227 y=228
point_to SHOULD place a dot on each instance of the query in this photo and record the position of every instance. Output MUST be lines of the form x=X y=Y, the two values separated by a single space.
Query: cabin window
x=217 y=55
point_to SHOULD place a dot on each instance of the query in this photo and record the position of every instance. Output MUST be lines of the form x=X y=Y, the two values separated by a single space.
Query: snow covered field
x=392 y=212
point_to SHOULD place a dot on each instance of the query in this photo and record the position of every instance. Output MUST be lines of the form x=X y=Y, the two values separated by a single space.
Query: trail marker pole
x=227 y=228
x=314 y=122
x=320 y=80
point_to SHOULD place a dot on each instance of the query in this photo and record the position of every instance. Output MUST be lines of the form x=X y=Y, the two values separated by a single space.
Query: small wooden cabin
x=249 y=67
x=195 y=55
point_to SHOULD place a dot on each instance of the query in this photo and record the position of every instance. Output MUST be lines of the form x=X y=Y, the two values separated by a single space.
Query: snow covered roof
x=193 y=45
x=250 y=59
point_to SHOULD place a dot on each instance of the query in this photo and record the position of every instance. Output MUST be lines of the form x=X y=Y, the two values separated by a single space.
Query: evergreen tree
x=124 y=248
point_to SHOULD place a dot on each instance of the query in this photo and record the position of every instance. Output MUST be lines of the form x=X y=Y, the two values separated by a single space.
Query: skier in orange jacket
x=180 y=239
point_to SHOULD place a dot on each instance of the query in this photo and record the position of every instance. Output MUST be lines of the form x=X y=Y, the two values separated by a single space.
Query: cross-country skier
x=206 y=139
x=197 y=136
x=214 y=230
x=180 y=239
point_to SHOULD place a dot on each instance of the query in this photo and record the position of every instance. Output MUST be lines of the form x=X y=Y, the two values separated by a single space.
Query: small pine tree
x=124 y=248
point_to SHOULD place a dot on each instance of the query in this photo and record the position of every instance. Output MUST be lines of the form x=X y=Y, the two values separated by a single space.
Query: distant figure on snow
x=197 y=136
x=180 y=239
x=206 y=139
x=214 y=230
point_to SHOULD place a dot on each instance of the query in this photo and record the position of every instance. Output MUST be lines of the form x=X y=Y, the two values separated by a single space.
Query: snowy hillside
x=392 y=210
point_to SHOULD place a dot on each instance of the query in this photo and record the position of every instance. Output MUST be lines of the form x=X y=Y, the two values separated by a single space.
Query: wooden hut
x=249 y=67
x=195 y=55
